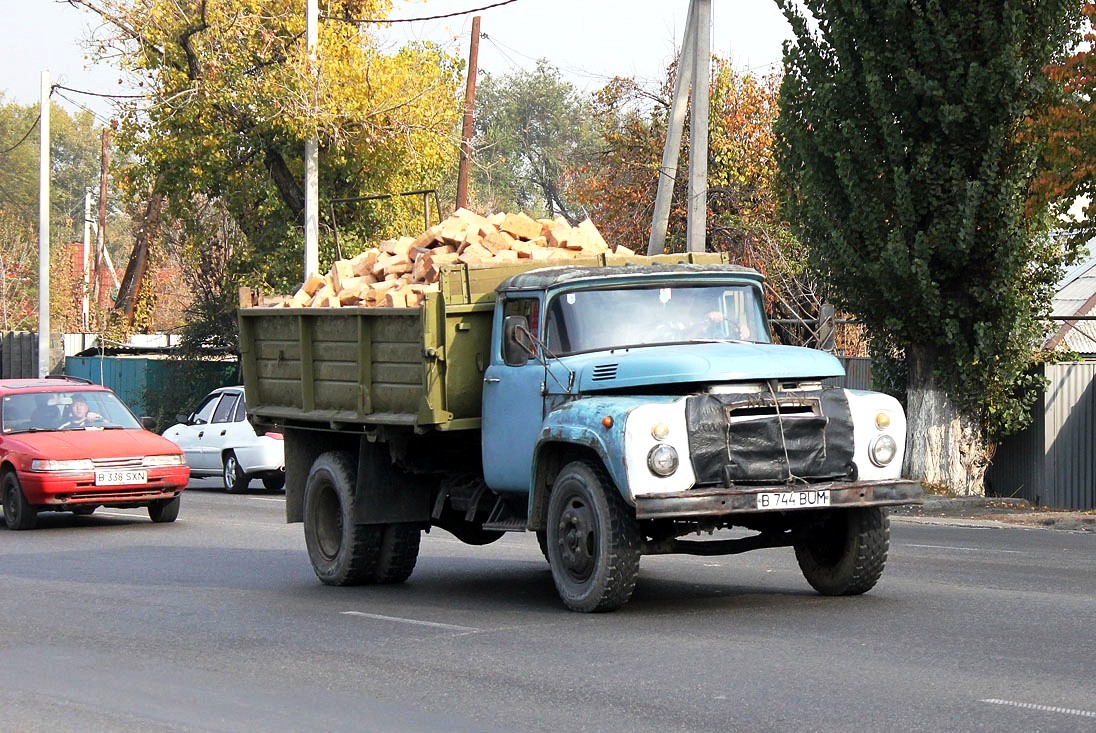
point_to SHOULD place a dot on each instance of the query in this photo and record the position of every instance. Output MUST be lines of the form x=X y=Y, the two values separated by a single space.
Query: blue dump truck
x=616 y=408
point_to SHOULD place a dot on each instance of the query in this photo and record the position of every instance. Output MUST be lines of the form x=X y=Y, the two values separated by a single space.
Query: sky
x=589 y=41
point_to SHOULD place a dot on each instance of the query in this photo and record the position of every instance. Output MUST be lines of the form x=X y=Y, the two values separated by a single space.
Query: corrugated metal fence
x=1053 y=461
x=19 y=355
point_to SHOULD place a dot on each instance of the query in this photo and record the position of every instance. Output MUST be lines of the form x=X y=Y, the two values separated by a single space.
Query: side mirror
x=517 y=341
x=149 y=423
x=184 y=419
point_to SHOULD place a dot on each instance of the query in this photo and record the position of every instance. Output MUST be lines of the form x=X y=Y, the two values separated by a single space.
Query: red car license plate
x=119 y=477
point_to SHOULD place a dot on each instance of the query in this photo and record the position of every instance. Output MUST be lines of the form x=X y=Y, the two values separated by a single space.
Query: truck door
x=513 y=406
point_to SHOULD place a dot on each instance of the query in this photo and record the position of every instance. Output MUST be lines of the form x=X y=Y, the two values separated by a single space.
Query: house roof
x=1076 y=296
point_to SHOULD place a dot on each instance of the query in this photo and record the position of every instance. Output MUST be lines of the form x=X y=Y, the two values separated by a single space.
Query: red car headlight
x=160 y=461
x=80 y=464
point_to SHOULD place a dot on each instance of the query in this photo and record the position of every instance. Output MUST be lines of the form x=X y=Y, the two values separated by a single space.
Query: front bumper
x=57 y=491
x=717 y=502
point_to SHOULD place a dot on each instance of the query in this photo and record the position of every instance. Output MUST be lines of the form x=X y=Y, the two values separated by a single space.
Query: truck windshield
x=602 y=319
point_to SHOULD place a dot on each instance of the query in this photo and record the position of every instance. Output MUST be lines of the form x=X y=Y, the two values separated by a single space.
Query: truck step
x=504 y=519
x=513 y=524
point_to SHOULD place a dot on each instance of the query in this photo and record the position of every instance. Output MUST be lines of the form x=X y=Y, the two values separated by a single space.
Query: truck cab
x=662 y=385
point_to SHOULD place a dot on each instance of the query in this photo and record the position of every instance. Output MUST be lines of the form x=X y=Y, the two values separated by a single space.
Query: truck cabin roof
x=549 y=277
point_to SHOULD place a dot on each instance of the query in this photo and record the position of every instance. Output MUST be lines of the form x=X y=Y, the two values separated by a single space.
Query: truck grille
x=765 y=438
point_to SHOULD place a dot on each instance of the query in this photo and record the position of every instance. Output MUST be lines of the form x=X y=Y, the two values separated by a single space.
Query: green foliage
x=899 y=136
x=74 y=165
x=181 y=384
x=530 y=127
x=232 y=98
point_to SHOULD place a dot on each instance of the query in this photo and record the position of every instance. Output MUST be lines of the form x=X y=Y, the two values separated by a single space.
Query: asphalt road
x=216 y=623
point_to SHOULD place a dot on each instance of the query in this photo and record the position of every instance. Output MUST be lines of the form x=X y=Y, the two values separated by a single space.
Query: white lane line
x=412 y=621
x=266 y=498
x=1043 y=708
x=968 y=549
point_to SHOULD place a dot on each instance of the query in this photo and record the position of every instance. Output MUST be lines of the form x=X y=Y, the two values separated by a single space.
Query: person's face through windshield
x=79 y=408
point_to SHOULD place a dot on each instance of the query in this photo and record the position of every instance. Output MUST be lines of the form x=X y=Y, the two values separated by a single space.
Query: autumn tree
x=231 y=98
x=618 y=185
x=1066 y=135
x=899 y=130
x=530 y=128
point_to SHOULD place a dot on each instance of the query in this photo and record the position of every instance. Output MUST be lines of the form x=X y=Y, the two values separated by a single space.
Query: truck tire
x=341 y=552
x=398 y=554
x=847 y=554
x=18 y=512
x=593 y=540
x=233 y=477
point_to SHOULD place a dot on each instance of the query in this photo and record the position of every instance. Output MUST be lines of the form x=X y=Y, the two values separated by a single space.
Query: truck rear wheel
x=593 y=540
x=342 y=553
x=847 y=554
x=399 y=552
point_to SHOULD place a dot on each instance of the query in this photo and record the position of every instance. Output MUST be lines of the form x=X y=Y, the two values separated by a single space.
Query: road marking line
x=967 y=549
x=1043 y=708
x=267 y=498
x=412 y=621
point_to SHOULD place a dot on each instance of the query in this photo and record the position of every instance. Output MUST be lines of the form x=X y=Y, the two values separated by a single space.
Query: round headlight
x=662 y=460
x=882 y=450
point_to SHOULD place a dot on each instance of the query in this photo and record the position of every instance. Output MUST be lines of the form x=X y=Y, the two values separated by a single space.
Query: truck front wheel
x=593 y=540
x=846 y=555
x=342 y=553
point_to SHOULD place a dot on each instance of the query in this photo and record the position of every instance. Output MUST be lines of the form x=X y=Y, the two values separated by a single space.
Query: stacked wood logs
x=399 y=271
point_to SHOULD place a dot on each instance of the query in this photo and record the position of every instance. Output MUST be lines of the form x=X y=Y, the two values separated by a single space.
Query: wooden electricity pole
x=469 y=111
x=693 y=68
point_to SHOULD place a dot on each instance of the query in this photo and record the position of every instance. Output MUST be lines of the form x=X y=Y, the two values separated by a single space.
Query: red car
x=67 y=445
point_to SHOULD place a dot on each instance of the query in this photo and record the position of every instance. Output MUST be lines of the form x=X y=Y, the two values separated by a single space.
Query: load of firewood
x=397 y=272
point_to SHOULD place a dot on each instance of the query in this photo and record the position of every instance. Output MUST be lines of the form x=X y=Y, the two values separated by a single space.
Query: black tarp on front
x=756 y=438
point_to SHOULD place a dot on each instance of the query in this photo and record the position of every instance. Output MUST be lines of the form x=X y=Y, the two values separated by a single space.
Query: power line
x=24 y=138
x=103 y=120
x=100 y=94
x=364 y=21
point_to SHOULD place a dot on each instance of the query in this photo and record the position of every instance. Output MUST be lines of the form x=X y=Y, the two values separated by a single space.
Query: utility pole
x=469 y=111
x=312 y=154
x=693 y=69
x=43 y=229
x=667 y=174
x=101 y=233
x=85 y=310
x=697 y=227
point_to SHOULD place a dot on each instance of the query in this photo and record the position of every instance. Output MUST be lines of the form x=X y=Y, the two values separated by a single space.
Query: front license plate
x=117 y=478
x=806 y=499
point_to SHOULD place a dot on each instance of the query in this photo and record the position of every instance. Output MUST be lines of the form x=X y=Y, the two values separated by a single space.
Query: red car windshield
x=47 y=411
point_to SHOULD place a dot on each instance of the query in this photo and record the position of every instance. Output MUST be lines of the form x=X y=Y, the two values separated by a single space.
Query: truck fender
x=558 y=443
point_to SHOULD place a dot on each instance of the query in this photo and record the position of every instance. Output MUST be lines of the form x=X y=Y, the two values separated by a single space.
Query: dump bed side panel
x=352 y=365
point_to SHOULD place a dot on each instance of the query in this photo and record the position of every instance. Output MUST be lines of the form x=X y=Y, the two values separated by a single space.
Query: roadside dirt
x=1004 y=511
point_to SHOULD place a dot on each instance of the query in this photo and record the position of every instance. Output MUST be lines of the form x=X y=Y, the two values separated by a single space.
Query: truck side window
x=527 y=307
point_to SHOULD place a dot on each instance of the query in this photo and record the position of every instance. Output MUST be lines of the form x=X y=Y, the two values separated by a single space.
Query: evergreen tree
x=899 y=134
